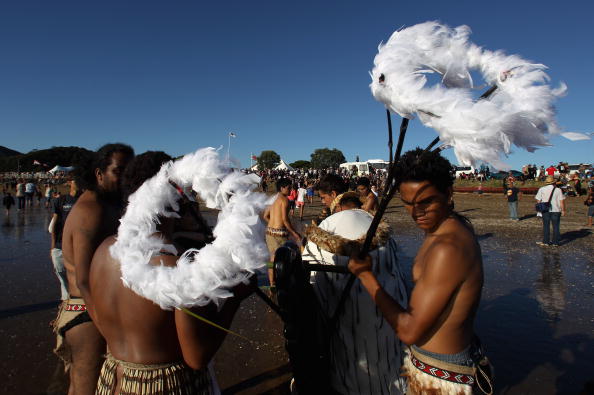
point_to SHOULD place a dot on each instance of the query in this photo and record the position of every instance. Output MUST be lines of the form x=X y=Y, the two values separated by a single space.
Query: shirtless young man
x=279 y=224
x=448 y=276
x=153 y=350
x=93 y=217
x=367 y=196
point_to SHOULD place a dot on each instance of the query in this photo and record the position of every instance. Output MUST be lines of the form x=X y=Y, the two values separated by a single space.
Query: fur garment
x=339 y=245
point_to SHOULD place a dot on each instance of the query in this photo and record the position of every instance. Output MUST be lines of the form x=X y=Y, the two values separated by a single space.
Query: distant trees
x=64 y=156
x=323 y=158
x=301 y=164
x=268 y=160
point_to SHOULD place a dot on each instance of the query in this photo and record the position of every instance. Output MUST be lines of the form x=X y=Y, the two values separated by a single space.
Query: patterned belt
x=277 y=232
x=443 y=374
x=76 y=307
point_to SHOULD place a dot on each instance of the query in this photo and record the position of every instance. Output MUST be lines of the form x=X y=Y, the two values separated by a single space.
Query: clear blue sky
x=285 y=76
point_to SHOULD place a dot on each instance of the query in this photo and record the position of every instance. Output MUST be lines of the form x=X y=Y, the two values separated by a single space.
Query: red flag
x=254 y=157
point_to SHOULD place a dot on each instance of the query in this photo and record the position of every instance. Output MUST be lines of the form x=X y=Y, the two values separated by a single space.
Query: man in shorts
x=279 y=224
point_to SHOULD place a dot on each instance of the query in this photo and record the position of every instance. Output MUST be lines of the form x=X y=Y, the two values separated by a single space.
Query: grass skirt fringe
x=160 y=379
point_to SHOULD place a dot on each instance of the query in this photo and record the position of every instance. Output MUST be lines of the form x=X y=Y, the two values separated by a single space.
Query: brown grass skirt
x=170 y=378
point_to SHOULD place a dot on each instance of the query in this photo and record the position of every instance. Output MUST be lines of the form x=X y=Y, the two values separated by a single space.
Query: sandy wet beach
x=536 y=318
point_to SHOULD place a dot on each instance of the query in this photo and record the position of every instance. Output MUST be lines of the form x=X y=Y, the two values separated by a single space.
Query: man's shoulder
x=280 y=198
x=86 y=206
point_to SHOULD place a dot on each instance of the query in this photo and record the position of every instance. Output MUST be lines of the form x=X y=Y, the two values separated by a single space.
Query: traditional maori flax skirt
x=430 y=376
x=170 y=378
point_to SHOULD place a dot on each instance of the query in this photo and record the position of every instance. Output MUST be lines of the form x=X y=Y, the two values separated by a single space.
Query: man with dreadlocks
x=444 y=354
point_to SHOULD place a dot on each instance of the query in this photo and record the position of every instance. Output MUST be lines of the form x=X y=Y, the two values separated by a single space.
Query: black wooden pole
x=390 y=142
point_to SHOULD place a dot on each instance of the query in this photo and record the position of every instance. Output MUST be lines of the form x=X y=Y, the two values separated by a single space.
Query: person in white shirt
x=301 y=192
x=553 y=216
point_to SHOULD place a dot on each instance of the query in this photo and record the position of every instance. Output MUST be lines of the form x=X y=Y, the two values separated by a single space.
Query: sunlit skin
x=447 y=272
x=371 y=199
x=327 y=198
x=427 y=206
x=277 y=216
x=139 y=331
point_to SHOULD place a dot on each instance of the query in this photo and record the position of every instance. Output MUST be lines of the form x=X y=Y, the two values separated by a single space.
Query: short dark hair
x=84 y=168
x=104 y=154
x=140 y=169
x=283 y=182
x=364 y=181
x=350 y=198
x=418 y=165
x=331 y=182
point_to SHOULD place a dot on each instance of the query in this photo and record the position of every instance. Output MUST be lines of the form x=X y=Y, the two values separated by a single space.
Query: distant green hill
x=63 y=156
x=4 y=152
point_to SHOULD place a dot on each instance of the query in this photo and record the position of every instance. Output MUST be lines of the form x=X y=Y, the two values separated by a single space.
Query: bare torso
x=139 y=331
x=453 y=330
x=277 y=211
x=136 y=329
x=90 y=221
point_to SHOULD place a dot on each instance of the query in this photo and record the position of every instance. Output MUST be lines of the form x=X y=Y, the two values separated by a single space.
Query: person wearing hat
x=550 y=192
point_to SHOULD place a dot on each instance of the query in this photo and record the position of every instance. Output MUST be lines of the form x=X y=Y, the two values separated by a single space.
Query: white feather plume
x=520 y=112
x=201 y=276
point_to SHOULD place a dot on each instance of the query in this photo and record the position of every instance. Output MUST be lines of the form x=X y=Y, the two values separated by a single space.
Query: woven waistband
x=442 y=370
x=277 y=232
x=75 y=304
x=139 y=366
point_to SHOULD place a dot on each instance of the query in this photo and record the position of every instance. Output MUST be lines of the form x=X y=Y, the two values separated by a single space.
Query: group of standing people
x=110 y=339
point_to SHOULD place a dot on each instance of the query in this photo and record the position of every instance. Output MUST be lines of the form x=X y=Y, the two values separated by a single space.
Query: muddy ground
x=536 y=317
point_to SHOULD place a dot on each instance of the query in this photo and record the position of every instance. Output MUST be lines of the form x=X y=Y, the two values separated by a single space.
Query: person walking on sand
x=292 y=198
x=8 y=202
x=20 y=194
x=279 y=224
x=551 y=193
x=301 y=193
x=589 y=202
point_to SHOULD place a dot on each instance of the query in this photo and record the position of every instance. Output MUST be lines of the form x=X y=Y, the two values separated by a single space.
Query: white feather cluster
x=519 y=112
x=205 y=275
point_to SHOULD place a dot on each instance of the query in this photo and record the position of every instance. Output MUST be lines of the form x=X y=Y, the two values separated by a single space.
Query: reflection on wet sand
x=535 y=319
x=550 y=287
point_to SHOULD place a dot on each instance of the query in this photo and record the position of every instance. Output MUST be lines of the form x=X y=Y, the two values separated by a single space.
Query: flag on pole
x=254 y=157
x=231 y=134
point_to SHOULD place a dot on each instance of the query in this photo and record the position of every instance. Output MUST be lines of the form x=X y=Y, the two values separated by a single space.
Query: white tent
x=283 y=166
x=65 y=169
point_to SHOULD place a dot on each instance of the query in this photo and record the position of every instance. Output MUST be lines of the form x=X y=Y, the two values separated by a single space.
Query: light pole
x=231 y=134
